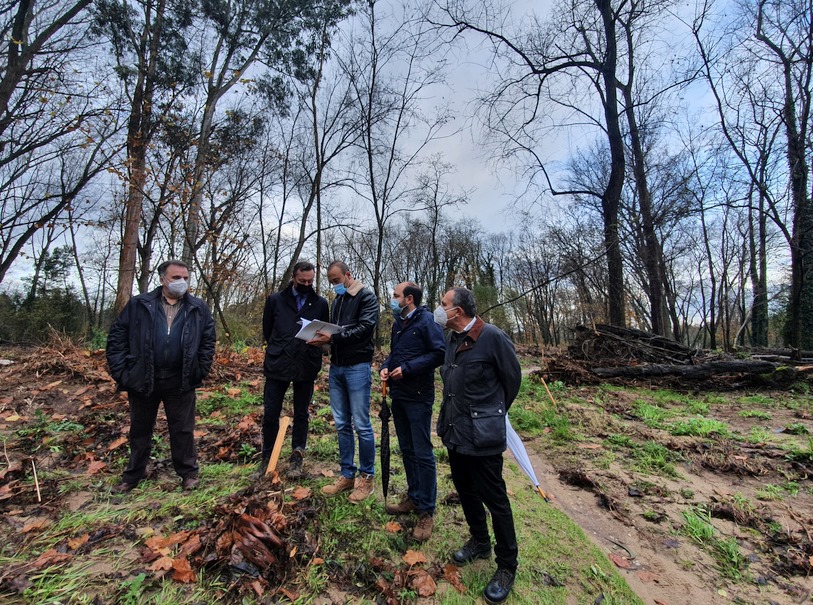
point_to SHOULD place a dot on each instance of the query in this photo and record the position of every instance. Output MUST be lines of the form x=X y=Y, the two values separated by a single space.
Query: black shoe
x=190 y=483
x=498 y=589
x=294 y=470
x=472 y=550
x=123 y=488
x=262 y=468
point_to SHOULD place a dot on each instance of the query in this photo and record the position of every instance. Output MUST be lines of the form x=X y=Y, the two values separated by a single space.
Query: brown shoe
x=343 y=484
x=404 y=506
x=190 y=483
x=363 y=488
x=423 y=529
x=123 y=488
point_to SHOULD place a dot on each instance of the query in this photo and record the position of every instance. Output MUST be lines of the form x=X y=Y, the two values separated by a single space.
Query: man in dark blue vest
x=159 y=350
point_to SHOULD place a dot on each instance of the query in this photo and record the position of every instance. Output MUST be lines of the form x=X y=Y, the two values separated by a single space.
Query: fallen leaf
x=413 y=557
x=191 y=546
x=51 y=557
x=620 y=561
x=162 y=564
x=183 y=571
x=35 y=525
x=7 y=491
x=393 y=527
x=13 y=418
x=117 y=443
x=96 y=466
x=292 y=596
x=647 y=576
x=5 y=400
x=300 y=493
x=292 y=554
x=423 y=583
x=82 y=391
x=318 y=560
x=327 y=473
x=452 y=574
x=233 y=392
x=74 y=543
x=258 y=588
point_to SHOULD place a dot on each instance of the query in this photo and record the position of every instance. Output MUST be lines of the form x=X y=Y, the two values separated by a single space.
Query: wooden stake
x=272 y=463
x=556 y=405
x=36 y=481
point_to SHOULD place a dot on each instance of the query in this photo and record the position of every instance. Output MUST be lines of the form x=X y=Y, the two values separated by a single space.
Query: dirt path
x=666 y=569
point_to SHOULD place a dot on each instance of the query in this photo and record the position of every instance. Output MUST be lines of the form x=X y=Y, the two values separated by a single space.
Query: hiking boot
x=404 y=506
x=498 y=589
x=189 y=484
x=262 y=468
x=123 y=488
x=363 y=488
x=424 y=527
x=343 y=484
x=294 y=470
x=472 y=550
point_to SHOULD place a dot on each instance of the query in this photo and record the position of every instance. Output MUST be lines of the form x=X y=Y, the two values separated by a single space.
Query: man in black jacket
x=481 y=379
x=355 y=309
x=289 y=359
x=159 y=350
x=417 y=349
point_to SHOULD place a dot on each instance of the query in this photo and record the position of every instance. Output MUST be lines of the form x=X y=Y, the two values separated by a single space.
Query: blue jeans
x=413 y=425
x=350 y=403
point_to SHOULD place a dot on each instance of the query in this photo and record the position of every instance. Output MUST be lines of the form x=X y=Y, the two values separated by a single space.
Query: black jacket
x=130 y=343
x=481 y=379
x=357 y=312
x=287 y=357
x=418 y=348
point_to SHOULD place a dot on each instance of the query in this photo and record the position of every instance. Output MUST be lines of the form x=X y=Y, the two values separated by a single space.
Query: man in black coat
x=481 y=379
x=289 y=359
x=159 y=350
x=417 y=349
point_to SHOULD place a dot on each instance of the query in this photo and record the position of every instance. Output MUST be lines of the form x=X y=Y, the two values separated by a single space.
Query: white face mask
x=441 y=316
x=178 y=287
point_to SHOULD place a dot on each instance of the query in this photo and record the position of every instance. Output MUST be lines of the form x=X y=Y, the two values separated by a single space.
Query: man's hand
x=320 y=340
x=384 y=373
x=397 y=374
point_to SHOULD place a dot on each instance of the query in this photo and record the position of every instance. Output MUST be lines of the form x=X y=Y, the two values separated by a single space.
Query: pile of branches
x=612 y=352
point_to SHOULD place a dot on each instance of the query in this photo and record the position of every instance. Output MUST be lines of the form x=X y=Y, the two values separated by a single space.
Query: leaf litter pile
x=64 y=429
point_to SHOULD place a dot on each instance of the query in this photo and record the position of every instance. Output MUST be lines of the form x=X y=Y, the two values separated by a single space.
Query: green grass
x=758 y=414
x=700 y=426
x=654 y=458
x=651 y=415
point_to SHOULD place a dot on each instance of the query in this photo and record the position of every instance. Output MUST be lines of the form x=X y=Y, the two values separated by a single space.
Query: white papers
x=310 y=328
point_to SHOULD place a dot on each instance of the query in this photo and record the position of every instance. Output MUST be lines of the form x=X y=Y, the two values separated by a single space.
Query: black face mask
x=302 y=288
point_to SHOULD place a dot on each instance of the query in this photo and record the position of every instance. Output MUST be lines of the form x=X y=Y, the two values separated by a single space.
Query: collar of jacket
x=355 y=288
x=472 y=336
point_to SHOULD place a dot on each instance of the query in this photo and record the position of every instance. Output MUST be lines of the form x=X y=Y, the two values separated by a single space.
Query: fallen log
x=782 y=372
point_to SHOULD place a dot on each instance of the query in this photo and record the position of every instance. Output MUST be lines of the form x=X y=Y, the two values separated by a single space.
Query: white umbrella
x=521 y=455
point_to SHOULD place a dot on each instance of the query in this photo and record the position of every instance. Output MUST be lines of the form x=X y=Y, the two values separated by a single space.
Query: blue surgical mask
x=396 y=306
x=339 y=289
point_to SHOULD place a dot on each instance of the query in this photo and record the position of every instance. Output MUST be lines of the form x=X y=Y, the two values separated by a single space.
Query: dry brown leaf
x=74 y=543
x=117 y=443
x=647 y=576
x=300 y=493
x=96 y=466
x=191 y=546
x=82 y=391
x=318 y=560
x=292 y=554
x=13 y=418
x=35 y=525
x=452 y=574
x=620 y=561
x=413 y=557
x=183 y=571
x=233 y=392
x=393 y=527
x=292 y=596
x=258 y=587
x=5 y=400
x=327 y=473
x=51 y=385
x=51 y=557
x=7 y=490
x=162 y=564
x=423 y=583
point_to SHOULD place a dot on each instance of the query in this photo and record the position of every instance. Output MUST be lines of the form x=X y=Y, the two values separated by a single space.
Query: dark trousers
x=413 y=426
x=180 y=411
x=273 y=395
x=479 y=483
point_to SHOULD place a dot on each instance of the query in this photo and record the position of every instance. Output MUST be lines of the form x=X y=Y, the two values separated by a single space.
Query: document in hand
x=310 y=328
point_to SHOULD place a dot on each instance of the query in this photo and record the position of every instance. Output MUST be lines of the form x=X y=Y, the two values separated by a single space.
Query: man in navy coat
x=417 y=349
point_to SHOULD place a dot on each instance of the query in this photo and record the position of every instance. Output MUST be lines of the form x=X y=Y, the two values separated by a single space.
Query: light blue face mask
x=339 y=289
x=396 y=307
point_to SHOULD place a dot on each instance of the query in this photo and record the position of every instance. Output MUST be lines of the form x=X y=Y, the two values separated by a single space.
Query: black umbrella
x=385 y=414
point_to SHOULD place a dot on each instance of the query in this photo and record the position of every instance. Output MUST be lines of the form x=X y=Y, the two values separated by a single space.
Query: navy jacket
x=130 y=343
x=481 y=379
x=418 y=348
x=287 y=357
